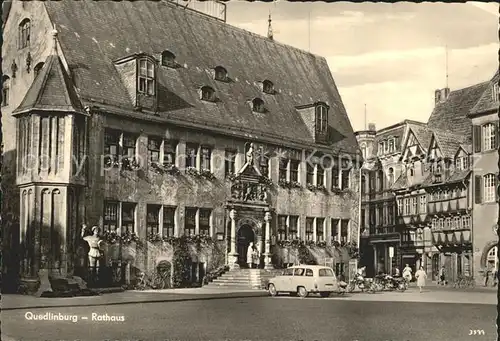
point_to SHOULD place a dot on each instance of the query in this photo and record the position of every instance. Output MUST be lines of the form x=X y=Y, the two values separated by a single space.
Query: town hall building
x=156 y=123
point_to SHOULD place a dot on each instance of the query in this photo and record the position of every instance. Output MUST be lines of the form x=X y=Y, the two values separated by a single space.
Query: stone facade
x=445 y=192
x=485 y=211
x=379 y=216
x=96 y=163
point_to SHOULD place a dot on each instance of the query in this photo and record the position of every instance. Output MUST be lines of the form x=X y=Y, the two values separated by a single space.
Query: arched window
x=5 y=90
x=24 y=33
x=489 y=136
x=146 y=77
x=380 y=178
x=268 y=87
x=391 y=176
x=37 y=68
x=220 y=74
x=168 y=59
x=258 y=105
x=321 y=118
x=489 y=187
x=492 y=259
x=411 y=169
x=207 y=94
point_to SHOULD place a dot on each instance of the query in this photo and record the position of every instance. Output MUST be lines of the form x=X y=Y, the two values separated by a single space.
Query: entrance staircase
x=243 y=279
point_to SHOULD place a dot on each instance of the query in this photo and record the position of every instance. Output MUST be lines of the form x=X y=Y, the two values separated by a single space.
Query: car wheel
x=325 y=294
x=302 y=292
x=272 y=290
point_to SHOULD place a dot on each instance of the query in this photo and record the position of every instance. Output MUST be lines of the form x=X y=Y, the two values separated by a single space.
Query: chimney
x=371 y=127
x=441 y=95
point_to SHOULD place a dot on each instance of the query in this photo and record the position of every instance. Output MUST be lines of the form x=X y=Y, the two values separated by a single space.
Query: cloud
x=426 y=65
x=390 y=56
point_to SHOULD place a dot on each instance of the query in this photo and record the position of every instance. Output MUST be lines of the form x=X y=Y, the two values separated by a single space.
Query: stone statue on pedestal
x=95 y=253
x=249 y=155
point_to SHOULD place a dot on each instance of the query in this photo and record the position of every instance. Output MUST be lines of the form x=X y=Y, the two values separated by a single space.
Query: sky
x=390 y=57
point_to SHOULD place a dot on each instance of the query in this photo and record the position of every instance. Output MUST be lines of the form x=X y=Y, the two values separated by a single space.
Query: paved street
x=354 y=317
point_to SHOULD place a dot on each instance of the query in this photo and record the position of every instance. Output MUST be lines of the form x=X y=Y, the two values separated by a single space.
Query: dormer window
x=24 y=33
x=37 y=68
x=168 y=59
x=268 y=87
x=146 y=77
x=220 y=74
x=321 y=118
x=258 y=105
x=439 y=168
x=207 y=94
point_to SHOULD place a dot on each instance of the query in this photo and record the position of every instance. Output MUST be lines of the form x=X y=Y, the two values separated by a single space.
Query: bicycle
x=464 y=282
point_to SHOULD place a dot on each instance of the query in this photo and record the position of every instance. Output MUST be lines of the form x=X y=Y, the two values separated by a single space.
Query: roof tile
x=451 y=115
x=51 y=90
x=111 y=30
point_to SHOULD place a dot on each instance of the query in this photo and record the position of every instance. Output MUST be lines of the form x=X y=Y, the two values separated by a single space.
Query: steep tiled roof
x=396 y=130
x=487 y=102
x=401 y=182
x=451 y=115
x=455 y=176
x=51 y=90
x=95 y=33
x=448 y=143
x=422 y=134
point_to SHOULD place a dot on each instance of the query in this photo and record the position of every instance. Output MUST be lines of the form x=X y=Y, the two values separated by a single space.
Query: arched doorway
x=245 y=237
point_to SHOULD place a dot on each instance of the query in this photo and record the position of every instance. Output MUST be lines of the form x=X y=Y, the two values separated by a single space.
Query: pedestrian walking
x=407 y=273
x=442 y=276
x=396 y=272
x=420 y=275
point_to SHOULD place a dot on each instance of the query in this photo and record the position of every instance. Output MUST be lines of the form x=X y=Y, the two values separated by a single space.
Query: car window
x=287 y=272
x=325 y=273
x=298 y=272
x=309 y=272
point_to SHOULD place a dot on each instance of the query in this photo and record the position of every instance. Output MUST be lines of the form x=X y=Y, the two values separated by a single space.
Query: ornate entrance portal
x=249 y=211
x=245 y=237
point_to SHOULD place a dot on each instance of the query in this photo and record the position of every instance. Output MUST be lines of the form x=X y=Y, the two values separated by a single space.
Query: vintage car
x=304 y=279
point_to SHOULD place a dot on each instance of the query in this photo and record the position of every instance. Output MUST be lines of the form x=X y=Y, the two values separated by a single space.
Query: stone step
x=239 y=277
x=220 y=280
x=232 y=285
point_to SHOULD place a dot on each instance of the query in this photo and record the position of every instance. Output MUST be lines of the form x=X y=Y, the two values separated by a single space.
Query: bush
x=305 y=256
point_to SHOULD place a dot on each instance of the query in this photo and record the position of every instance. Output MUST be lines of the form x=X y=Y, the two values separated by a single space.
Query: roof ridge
x=236 y=28
x=471 y=86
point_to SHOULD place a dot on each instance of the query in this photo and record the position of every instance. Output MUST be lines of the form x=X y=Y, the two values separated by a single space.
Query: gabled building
x=410 y=197
x=173 y=125
x=382 y=153
x=435 y=193
x=484 y=117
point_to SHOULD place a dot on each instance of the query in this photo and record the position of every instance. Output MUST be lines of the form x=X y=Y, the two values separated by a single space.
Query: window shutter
x=496 y=187
x=496 y=134
x=478 y=189
x=476 y=131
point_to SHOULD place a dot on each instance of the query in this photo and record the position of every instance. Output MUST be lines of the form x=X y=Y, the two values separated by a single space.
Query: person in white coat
x=420 y=275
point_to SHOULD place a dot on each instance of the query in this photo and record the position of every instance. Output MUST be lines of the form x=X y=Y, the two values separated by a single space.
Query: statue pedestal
x=267 y=262
x=233 y=261
x=45 y=286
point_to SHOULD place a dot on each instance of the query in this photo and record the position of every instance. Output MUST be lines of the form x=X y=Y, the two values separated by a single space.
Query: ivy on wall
x=181 y=261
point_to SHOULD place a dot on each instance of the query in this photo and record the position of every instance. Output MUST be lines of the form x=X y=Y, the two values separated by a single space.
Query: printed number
x=476 y=332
